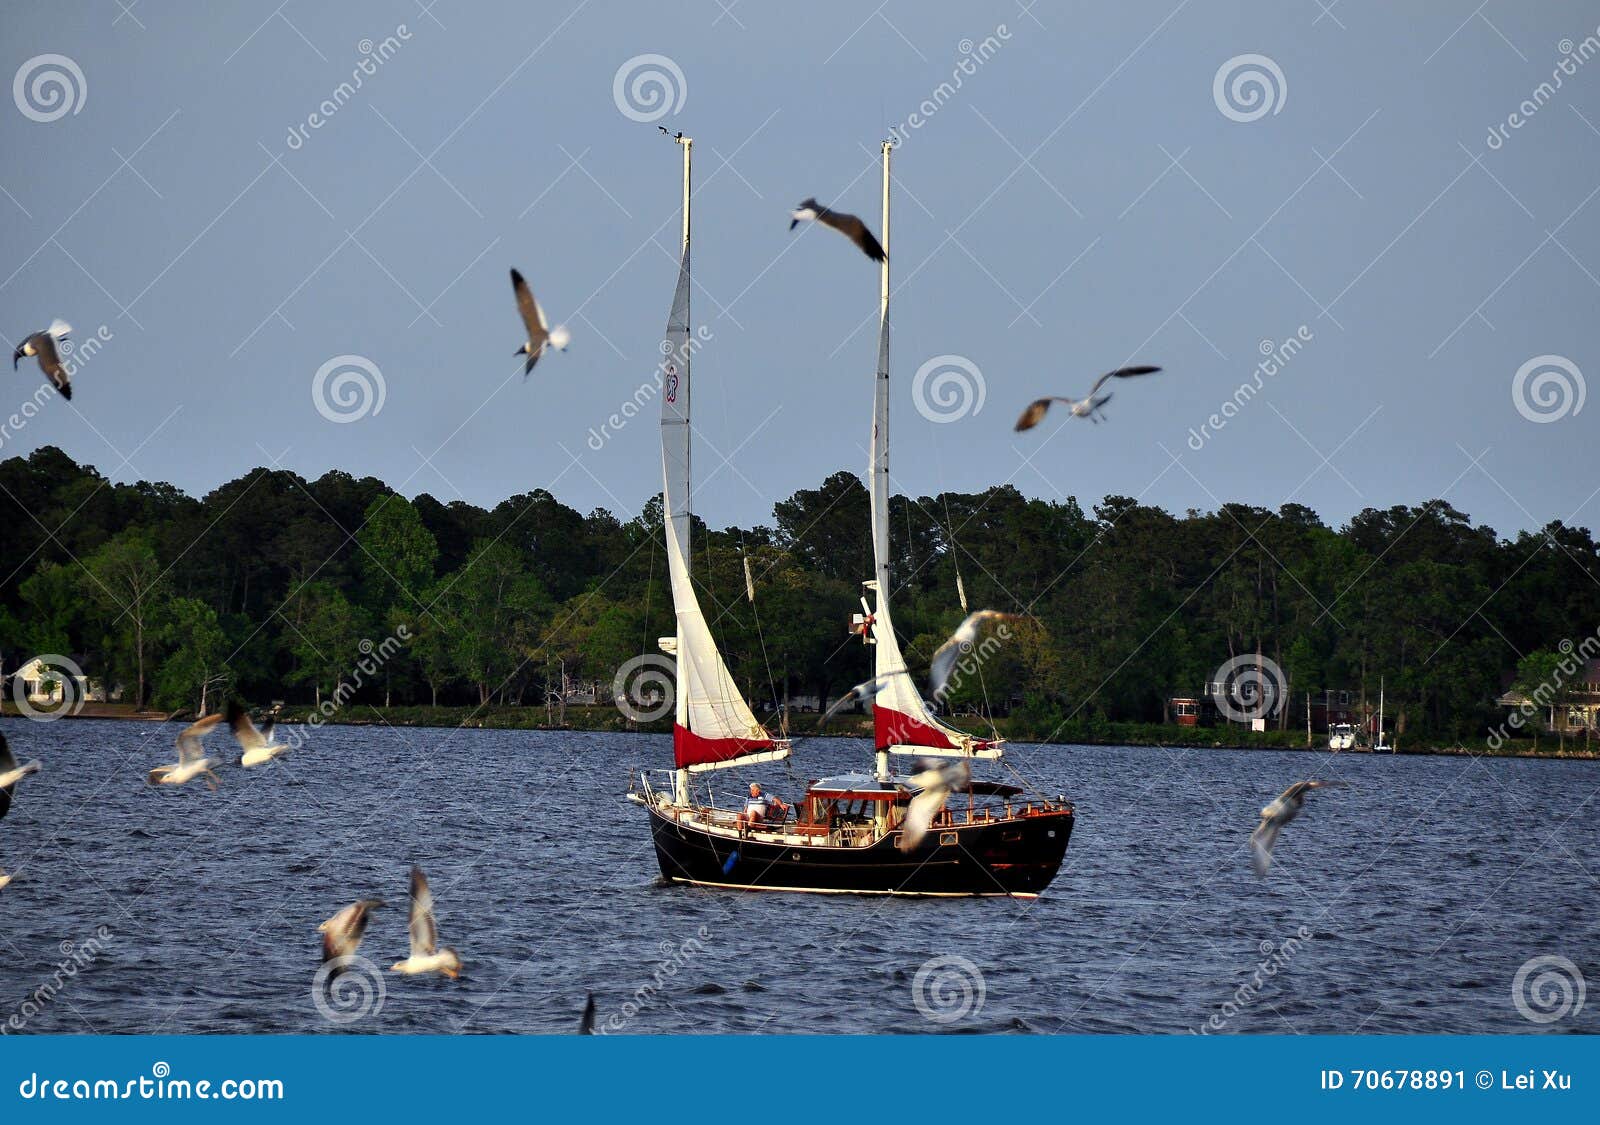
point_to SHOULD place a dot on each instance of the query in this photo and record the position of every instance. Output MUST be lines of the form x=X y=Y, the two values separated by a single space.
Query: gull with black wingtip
x=848 y=225
x=539 y=331
x=44 y=346
x=1086 y=407
x=192 y=761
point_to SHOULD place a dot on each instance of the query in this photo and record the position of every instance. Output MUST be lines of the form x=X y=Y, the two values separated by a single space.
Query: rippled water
x=1424 y=888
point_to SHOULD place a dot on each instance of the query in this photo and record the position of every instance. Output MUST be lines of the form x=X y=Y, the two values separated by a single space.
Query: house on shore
x=1568 y=708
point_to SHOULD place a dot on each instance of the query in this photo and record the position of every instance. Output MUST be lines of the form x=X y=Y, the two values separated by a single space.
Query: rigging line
x=955 y=561
x=755 y=614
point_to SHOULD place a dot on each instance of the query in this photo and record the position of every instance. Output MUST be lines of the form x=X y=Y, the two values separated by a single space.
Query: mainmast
x=883 y=655
x=713 y=725
x=902 y=722
x=675 y=453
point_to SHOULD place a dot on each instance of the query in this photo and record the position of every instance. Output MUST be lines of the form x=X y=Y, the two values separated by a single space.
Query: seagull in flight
x=257 y=745
x=848 y=225
x=1280 y=812
x=10 y=774
x=43 y=345
x=933 y=786
x=426 y=956
x=192 y=761
x=861 y=691
x=1086 y=407
x=341 y=934
x=960 y=642
x=539 y=331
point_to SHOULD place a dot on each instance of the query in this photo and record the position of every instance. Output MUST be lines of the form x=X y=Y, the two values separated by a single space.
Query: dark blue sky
x=1081 y=201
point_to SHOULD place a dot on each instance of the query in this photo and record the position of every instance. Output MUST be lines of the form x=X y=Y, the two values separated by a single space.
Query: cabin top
x=865 y=787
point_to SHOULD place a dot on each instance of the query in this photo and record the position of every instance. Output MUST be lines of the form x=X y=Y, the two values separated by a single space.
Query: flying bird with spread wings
x=960 y=643
x=848 y=225
x=192 y=761
x=1279 y=813
x=931 y=787
x=1086 y=407
x=44 y=345
x=257 y=745
x=425 y=956
x=540 y=334
x=862 y=691
x=341 y=934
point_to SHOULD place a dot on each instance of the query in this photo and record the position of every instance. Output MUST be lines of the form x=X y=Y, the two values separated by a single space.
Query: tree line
x=274 y=587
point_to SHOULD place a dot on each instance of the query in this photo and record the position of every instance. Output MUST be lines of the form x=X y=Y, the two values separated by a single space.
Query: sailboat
x=847 y=834
x=1381 y=746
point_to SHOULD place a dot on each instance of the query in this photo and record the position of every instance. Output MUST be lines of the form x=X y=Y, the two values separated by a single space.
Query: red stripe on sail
x=690 y=749
x=893 y=728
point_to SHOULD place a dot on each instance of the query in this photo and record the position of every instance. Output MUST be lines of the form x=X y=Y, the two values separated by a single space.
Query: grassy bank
x=1016 y=728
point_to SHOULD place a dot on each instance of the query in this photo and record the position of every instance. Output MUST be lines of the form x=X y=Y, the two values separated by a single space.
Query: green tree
x=325 y=630
x=126 y=580
x=195 y=668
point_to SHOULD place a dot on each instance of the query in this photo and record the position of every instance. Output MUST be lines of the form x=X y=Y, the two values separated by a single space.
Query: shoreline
x=609 y=720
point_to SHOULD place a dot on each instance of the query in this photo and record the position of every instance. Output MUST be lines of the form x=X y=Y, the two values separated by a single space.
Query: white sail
x=714 y=725
x=901 y=717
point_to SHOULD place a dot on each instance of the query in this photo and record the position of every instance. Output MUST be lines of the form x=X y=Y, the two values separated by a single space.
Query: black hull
x=1012 y=857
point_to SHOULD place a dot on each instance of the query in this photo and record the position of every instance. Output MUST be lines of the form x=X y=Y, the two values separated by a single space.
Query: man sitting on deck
x=757 y=805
